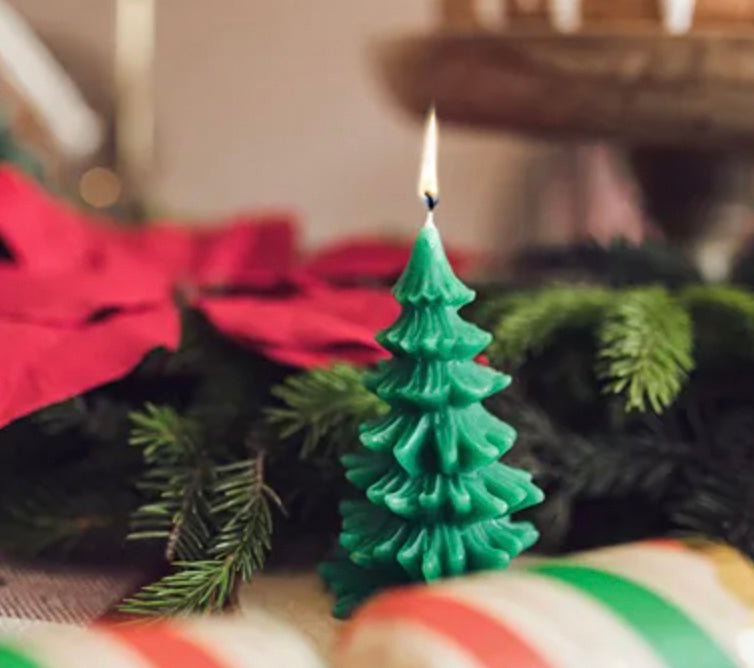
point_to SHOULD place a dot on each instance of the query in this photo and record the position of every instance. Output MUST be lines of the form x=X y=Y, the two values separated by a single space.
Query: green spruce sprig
x=528 y=323
x=178 y=479
x=644 y=337
x=214 y=512
x=243 y=503
x=645 y=348
x=325 y=406
x=195 y=586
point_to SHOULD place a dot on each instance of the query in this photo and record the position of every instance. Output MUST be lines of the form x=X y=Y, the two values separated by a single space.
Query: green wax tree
x=438 y=500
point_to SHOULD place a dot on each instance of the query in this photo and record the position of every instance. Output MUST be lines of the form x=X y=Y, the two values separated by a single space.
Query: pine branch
x=528 y=323
x=178 y=479
x=197 y=586
x=326 y=405
x=242 y=509
x=243 y=500
x=490 y=308
x=720 y=504
x=723 y=319
x=620 y=264
x=646 y=348
x=76 y=504
x=98 y=417
x=44 y=519
x=600 y=465
x=62 y=417
x=605 y=466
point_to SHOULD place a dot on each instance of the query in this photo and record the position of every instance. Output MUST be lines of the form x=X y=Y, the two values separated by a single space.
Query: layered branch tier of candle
x=437 y=500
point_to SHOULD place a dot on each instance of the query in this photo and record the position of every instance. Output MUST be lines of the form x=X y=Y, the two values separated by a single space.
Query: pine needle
x=178 y=480
x=723 y=319
x=242 y=509
x=528 y=323
x=197 y=586
x=718 y=503
x=243 y=501
x=326 y=406
x=646 y=348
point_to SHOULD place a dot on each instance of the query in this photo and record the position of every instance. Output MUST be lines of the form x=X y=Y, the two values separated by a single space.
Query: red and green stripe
x=162 y=647
x=157 y=645
x=672 y=634
x=491 y=643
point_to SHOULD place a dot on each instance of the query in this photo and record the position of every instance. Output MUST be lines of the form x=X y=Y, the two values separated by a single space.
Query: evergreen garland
x=325 y=406
x=177 y=482
x=236 y=536
x=633 y=400
x=645 y=336
x=645 y=346
x=528 y=323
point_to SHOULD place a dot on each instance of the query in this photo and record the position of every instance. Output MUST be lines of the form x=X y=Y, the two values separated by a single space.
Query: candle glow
x=437 y=434
x=428 y=186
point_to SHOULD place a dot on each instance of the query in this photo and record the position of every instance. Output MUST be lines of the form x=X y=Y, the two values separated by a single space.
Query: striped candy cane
x=252 y=641
x=653 y=605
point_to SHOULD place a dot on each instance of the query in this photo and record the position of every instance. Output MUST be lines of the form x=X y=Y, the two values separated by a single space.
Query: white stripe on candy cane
x=18 y=626
x=532 y=626
x=401 y=643
x=567 y=627
x=78 y=647
x=249 y=640
x=683 y=577
x=677 y=15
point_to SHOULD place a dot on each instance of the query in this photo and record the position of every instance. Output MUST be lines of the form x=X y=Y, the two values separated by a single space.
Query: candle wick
x=431 y=201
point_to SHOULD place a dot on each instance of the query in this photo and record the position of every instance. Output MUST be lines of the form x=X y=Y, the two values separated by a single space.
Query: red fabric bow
x=82 y=301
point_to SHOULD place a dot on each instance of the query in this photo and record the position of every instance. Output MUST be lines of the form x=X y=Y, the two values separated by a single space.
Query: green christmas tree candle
x=435 y=501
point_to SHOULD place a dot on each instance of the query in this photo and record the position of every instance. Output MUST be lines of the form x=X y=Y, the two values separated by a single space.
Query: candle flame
x=428 y=187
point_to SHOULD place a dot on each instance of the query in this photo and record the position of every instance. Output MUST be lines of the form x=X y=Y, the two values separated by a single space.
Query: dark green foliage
x=720 y=503
x=645 y=348
x=177 y=481
x=242 y=505
x=644 y=336
x=212 y=511
x=191 y=482
x=621 y=264
x=61 y=491
x=325 y=406
x=196 y=586
x=528 y=323
x=685 y=355
x=78 y=511
x=323 y=387
x=237 y=532
x=723 y=321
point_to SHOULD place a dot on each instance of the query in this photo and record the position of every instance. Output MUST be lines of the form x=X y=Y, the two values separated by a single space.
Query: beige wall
x=276 y=103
